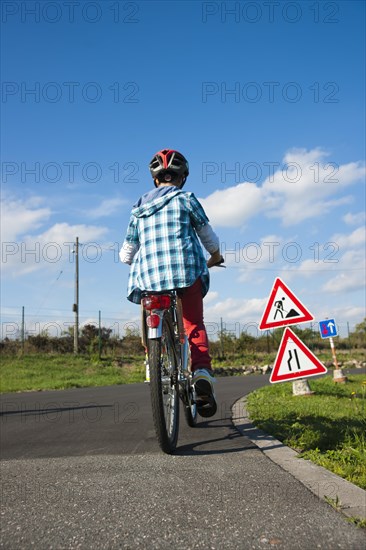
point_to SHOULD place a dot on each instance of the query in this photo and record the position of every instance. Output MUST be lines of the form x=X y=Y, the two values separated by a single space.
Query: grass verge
x=59 y=372
x=328 y=428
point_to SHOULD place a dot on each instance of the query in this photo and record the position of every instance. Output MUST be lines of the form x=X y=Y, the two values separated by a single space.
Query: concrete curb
x=320 y=481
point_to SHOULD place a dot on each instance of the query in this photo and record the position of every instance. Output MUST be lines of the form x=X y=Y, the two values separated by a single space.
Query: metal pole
x=76 y=304
x=333 y=353
x=338 y=375
x=221 y=338
x=100 y=335
x=311 y=346
x=23 y=330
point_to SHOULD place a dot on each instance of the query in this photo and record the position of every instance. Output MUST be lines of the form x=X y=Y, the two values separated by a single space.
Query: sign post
x=328 y=329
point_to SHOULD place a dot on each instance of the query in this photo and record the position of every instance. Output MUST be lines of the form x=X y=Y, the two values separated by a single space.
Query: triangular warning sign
x=294 y=360
x=283 y=308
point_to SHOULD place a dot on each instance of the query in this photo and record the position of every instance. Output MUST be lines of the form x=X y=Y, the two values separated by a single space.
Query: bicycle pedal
x=208 y=408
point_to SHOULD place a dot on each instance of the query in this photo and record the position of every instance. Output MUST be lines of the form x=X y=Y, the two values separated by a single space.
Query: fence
x=53 y=325
x=21 y=326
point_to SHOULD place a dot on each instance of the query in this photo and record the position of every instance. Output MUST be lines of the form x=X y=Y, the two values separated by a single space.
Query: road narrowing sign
x=283 y=308
x=294 y=360
x=328 y=328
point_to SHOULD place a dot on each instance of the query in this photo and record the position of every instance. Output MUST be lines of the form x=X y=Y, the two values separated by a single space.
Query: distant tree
x=89 y=337
x=131 y=342
x=246 y=342
x=41 y=342
x=358 y=336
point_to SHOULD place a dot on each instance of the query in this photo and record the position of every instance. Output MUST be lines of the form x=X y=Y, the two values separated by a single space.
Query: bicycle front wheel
x=164 y=387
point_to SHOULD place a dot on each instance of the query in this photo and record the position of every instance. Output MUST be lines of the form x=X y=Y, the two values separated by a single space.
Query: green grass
x=232 y=358
x=328 y=427
x=57 y=372
x=359 y=522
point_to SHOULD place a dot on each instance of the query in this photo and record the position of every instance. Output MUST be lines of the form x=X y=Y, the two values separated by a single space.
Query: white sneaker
x=205 y=395
x=147 y=370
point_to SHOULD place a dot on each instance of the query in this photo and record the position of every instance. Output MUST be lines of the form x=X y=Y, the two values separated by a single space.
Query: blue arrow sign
x=328 y=328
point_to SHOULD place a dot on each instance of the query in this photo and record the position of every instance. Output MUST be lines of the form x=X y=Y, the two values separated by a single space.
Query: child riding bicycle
x=162 y=246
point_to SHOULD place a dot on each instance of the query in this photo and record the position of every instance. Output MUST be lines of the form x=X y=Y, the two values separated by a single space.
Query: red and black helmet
x=168 y=163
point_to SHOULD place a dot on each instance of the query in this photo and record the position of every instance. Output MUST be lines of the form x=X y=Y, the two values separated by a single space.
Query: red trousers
x=192 y=304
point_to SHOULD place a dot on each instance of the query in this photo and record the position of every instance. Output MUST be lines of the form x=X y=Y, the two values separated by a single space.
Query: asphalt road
x=82 y=469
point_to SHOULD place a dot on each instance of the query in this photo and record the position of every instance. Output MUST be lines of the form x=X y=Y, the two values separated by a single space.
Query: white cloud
x=351 y=314
x=61 y=233
x=234 y=309
x=257 y=257
x=308 y=268
x=21 y=216
x=308 y=157
x=23 y=251
x=305 y=186
x=354 y=239
x=343 y=261
x=211 y=297
x=232 y=207
x=352 y=269
x=106 y=208
x=344 y=282
x=354 y=219
x=346 y=316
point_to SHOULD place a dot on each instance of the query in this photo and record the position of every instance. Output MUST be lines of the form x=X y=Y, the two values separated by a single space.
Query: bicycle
x=168 y=359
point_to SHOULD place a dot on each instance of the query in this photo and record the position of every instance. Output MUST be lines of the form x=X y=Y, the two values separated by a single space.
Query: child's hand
x=215 y=259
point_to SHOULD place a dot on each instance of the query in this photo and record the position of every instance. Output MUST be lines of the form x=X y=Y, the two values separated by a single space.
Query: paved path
x=81 y=469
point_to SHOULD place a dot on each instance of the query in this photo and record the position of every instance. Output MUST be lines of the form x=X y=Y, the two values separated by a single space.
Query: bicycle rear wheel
x=164 y=387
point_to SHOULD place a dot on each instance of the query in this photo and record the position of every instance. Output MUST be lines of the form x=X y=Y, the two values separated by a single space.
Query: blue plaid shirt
x=169 y=255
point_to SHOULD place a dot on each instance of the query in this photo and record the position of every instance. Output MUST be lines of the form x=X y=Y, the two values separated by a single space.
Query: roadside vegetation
x=328 y=428
x=42 y=361
x=59 y=372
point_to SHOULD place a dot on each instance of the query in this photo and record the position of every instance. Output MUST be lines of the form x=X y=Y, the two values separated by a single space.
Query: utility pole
x=100 y=335
x=221 y=338
x=75 y=307
x=23 y=331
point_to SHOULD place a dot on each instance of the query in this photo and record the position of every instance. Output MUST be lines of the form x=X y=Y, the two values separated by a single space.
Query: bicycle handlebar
x=219 y=264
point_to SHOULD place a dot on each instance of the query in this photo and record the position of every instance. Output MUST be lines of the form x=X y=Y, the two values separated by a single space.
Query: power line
x=48 y=291
x=294 y=270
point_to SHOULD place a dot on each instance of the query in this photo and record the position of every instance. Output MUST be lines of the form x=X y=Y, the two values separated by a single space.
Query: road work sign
x=283 y=308
x=294 y=360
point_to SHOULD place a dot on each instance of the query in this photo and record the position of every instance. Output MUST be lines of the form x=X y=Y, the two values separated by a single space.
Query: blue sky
x=266 y=100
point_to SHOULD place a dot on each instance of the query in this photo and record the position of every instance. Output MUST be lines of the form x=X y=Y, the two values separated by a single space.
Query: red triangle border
x=307 y=316
x=289 y=334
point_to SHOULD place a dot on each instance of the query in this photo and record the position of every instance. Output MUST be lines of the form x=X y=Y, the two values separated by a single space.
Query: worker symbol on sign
x=280 y=309
x=283 y=308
